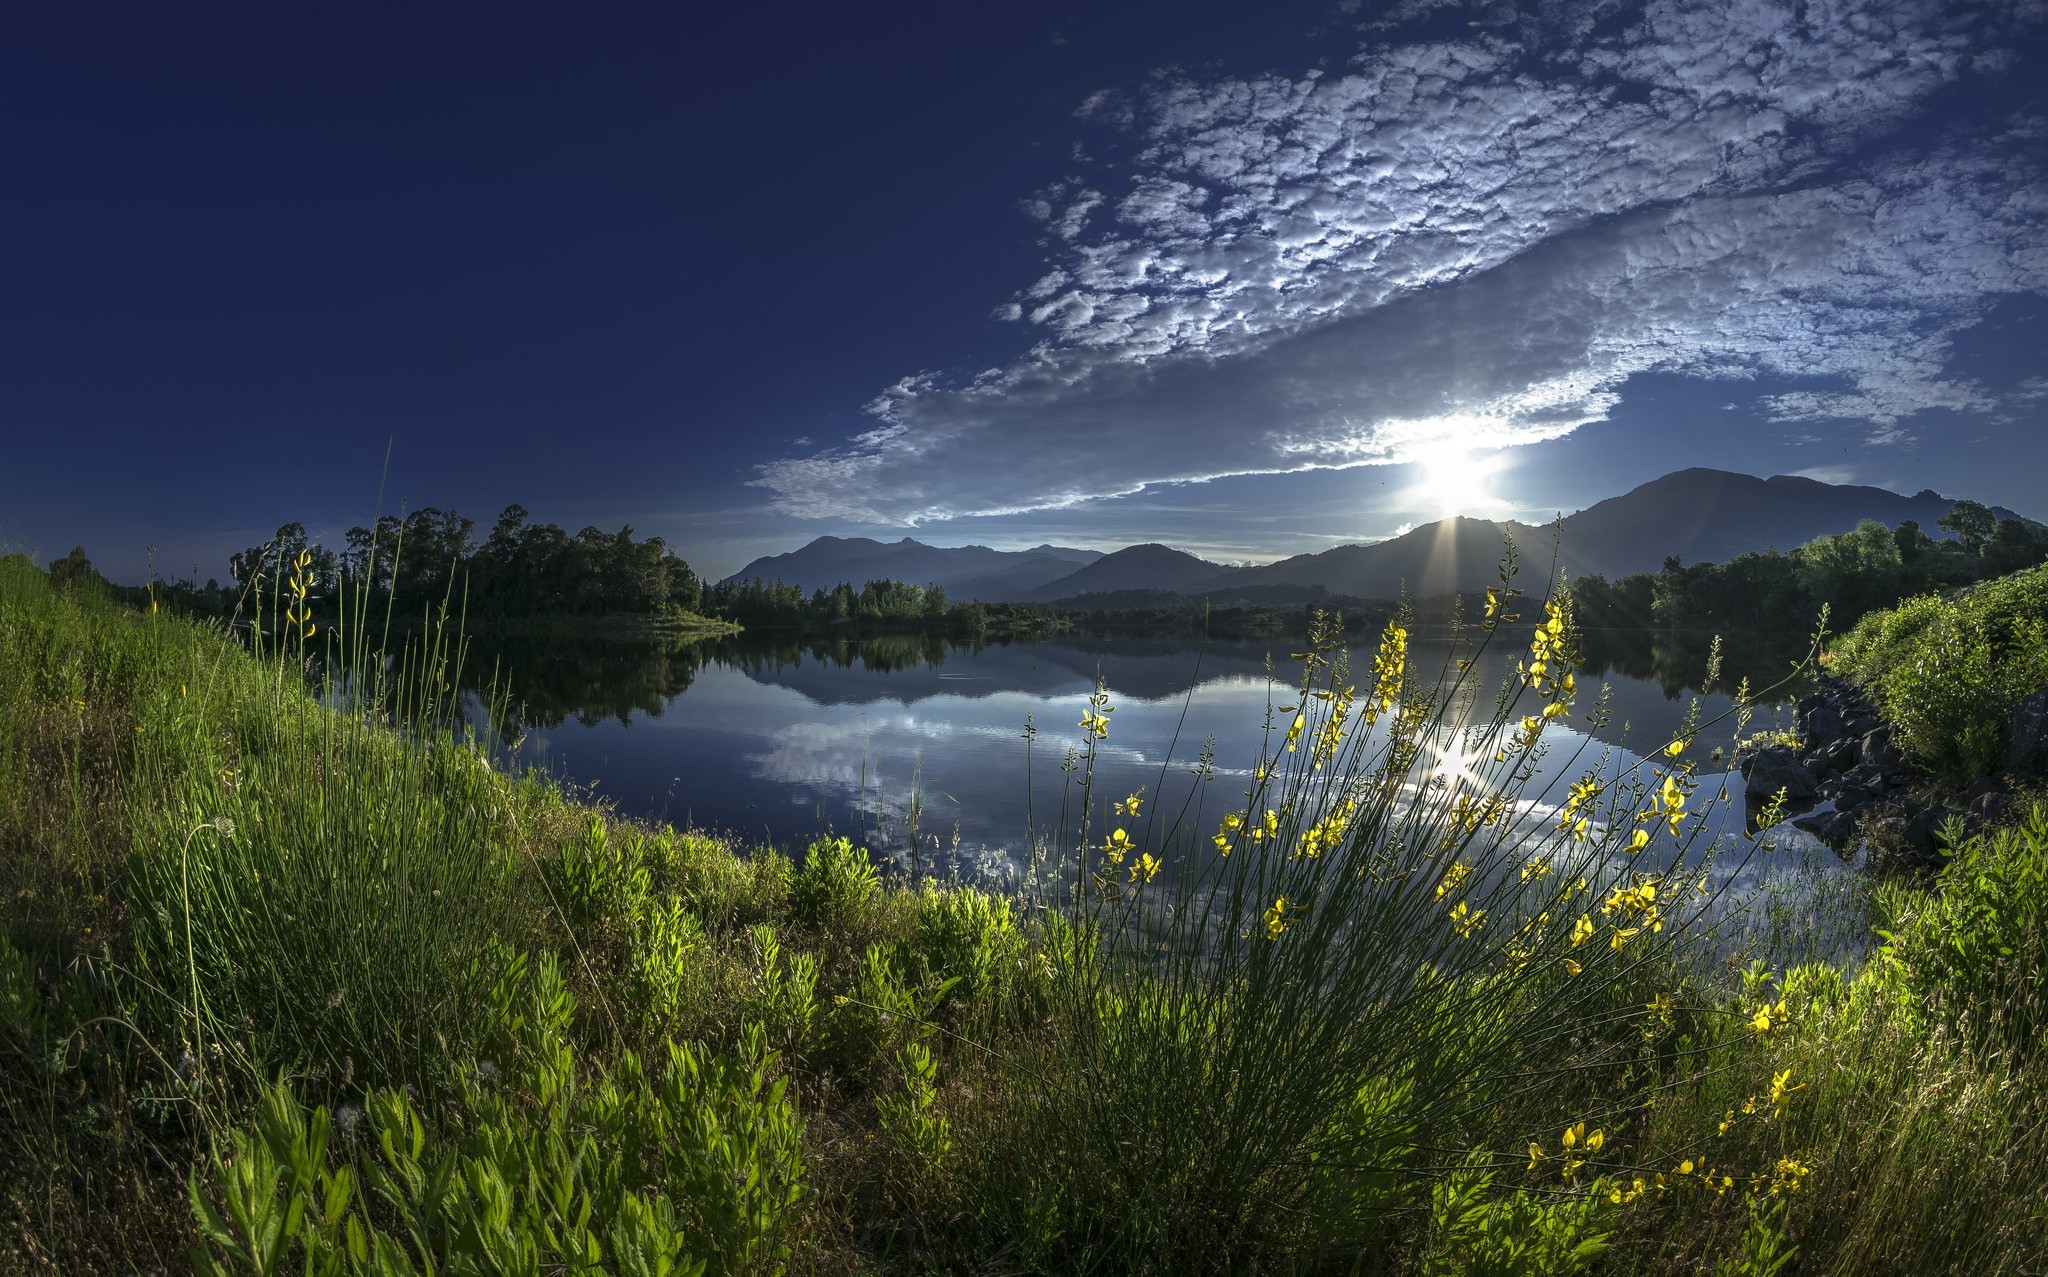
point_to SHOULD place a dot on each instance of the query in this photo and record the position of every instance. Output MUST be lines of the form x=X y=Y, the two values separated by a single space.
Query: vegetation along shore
x=294 y=979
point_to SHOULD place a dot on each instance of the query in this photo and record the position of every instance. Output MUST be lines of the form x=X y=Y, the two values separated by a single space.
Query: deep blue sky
x=1251 y=280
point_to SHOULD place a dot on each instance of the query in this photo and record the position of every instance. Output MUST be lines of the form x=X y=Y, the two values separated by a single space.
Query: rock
x=1926 y=827
x=1988 y=809
x=1835 y=828
x=1778 y=768
x=1823 y=725
x=1878 y=750
x=2026 y=735
x=1841 y=755
x=1860 y=784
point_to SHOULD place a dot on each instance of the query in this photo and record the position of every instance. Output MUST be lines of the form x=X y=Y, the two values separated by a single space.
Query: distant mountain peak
x=1700 y=514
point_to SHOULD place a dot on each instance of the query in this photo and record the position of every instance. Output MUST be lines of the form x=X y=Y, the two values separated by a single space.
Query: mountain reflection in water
x=779 y=741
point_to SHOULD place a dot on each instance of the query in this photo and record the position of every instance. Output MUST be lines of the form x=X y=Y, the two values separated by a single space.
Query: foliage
x=837 y=879
x=696 y=1170
x=1852 y=573
x=1978 y=951
x=1948 y=672
x=646 y=1048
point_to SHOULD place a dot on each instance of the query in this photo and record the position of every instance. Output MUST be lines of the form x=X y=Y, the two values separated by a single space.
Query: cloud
x=1484 y=239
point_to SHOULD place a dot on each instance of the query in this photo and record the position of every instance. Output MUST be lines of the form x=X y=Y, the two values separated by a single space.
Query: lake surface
x=906 y=738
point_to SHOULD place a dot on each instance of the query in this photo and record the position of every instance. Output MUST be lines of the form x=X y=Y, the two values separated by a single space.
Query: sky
x=1251 y=280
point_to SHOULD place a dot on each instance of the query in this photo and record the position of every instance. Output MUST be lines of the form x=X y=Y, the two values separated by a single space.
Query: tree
x=74 y=569
x=1972 y=522
x=266 y=564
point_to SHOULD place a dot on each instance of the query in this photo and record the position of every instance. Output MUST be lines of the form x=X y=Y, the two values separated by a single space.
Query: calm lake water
x=902 y=737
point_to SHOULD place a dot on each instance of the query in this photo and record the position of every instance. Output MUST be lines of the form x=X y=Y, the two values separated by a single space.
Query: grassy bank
x=1948 y=670
x=284 y=988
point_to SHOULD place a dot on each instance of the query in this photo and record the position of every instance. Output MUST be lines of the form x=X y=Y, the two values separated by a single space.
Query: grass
x=1948 y=671
x=297 y=981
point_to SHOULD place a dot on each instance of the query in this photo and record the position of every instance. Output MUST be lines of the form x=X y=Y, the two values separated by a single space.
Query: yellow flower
x=1294 y=732
x=1573 y=1134
x=1129 y=806
x=1144 y=867
x=1582 y=930
x=1465 y=920
x=1277 y=920
x=1117 y=845
x=1789 y=1175
x=1675 y=748
x=1638 y=840
x=1571 y=967
x=1781 y=1093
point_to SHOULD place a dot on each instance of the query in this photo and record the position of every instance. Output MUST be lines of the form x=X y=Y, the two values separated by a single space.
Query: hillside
x=1699 y=515
x=971 y=571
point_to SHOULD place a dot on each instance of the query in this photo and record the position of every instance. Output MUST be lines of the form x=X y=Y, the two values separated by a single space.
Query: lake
x=905 y=738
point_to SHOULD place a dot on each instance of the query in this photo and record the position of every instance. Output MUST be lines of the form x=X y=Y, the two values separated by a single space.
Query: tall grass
x=309 y=958
x=1362 y=979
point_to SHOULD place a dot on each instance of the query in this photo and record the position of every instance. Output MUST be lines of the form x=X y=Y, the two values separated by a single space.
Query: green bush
x=1978 y=950
x=697 y=1170
x=1948 y=672
x=967 y=937
x=837 y=882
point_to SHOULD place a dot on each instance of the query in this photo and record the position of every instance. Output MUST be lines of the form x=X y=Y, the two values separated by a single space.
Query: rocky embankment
x=1850 y=782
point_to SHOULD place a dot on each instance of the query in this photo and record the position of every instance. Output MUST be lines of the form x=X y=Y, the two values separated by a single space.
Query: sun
x=1453 y=478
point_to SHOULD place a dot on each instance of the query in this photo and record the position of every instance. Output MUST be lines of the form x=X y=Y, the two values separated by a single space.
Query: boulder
x=1823 y=725
x=1925 y=827
x=1835 y=828
x=1777 y=768
x=2026 y=736
x=1840 y=755
x=1860 y=784
x=1988 y=809
x=1879 y=751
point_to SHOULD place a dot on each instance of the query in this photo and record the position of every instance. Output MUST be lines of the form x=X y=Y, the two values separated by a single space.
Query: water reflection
x=780 y=741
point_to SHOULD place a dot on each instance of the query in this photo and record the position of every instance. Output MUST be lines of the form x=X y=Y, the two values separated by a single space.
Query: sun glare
x=1453 y=478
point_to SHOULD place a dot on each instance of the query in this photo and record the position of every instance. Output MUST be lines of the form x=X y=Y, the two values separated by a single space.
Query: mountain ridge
x=1697 y=514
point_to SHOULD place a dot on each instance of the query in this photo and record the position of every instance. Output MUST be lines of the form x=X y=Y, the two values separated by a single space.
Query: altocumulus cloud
x=1484 y=239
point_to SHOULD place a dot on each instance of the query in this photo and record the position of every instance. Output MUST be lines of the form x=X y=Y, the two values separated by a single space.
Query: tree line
x=1855 y=572
x=882 y=606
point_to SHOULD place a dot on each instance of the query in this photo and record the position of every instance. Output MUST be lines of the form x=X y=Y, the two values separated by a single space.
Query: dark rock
x=1860 y=783
x=1861 y=724
x=1841 y=755
x=1988 y=809
x=1823 y=725
x=2026 y=736
x=1776 y=768
x=1927 y=829
x=1878 y=750
x=1835 y=828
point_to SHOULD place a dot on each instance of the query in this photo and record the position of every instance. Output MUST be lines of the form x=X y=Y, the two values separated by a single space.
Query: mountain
x=968 y=571
x=1700 y=515
x=1436 y=558
x=1707 y=516
x=1138 y=567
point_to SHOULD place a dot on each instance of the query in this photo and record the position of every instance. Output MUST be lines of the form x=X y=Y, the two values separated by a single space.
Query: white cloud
x=1483 y=238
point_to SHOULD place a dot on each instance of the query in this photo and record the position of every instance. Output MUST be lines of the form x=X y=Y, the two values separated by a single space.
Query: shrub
x=1948 y=672
x=1979 y=949
x=697 y=1170
x=836 y=883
